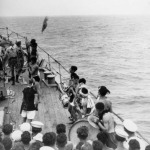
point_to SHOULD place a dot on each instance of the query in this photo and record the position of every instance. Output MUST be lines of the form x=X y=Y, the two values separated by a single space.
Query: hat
x=37 y=124
x=38 y=137
x=130 y=125
x=121 y=133
x=83 y=92
x=25 y=127
x=16 y=135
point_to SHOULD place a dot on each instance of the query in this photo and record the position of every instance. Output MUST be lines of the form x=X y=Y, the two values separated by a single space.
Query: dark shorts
x=111 y=142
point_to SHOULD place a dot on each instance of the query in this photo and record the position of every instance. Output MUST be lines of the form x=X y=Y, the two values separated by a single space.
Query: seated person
x=134 y=145
x=60 y=128
x=102 y=91
x=7 y=142
x=25 y=139
x=61 y=142
x=103 y=137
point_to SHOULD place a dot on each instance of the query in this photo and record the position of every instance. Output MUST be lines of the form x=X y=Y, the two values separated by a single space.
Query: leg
x=30 y=115
x=24 y=119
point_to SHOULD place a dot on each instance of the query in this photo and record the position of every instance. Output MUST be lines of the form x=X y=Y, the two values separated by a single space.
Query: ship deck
x=50 y=110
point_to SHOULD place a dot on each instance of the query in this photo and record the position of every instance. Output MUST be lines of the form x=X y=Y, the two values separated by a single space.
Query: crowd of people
x=99 y=112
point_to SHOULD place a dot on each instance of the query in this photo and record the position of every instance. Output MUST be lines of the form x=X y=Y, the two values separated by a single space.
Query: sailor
x=30 y=100
x=131 y=128
x=36 y=131
x=33 y=46
x=134 y=145
x=121 y=137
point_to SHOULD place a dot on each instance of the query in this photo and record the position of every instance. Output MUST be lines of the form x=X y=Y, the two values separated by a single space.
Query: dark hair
x=37 y=78
x=97 y=145
x=73 y=75
x=102 y=136
x=74 y=68
x=35 y=146
x=82 y=132
x=61 y=139
x=33 y=41
x=2 y=146
x=34 y=59
x=120 y=139
x=84 y=90
x=103 y=91
x=76 y=76
x=147 y=147
x=49 y=139
x=7 y=129
x=79 y=145
x=7 y=142
x=99 y=106
x=82 y=80
x=36 y=130
x=25 y=137
x=134 y=144
x=60 y=128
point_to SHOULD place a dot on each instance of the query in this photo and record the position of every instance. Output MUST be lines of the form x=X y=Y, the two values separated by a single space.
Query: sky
x=73 y=7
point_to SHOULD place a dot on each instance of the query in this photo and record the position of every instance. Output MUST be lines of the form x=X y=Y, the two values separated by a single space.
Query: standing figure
x=28 y=107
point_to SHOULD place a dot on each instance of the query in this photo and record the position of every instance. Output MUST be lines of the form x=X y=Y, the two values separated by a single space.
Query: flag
x=44 y=24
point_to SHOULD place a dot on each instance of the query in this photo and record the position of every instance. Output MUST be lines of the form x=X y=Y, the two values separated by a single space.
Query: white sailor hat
x=37 y=124
x=25 y=127
x=38 y=137
x=16 y=135
x=121 y=133
x=130 y=125
x=18 y=40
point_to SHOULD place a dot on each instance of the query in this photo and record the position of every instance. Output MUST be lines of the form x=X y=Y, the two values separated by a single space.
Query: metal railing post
x=49 y=62
x=60 y=73
x=7 y=33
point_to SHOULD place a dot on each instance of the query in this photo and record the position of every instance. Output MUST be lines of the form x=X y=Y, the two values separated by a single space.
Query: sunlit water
x=108 y=50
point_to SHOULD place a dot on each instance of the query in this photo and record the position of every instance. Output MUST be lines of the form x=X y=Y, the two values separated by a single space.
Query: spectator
x=49 y=140
x=79 y=146
x=35 y=146
x=18 y=147
x=87 y=146
x=103 y=137
x=60 y=128
x=134 y=145
x=97 y=145
x=147 y=147
x=2 y=146
x=26 y=138
x=7 y=130
x=7 y=142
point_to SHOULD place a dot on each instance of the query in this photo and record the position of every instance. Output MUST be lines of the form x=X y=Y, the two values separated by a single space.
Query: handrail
x=49 y=56
x=123 y=120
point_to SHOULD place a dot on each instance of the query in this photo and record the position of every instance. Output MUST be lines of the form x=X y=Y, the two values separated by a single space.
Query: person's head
x=35 y=146
x=134 y=145
x=121 y=135
x=99 y=107
x=129 y=126
x=147 y=147
x=61 y=140
x=49 y=139
x=25 y=127
x=33 y=42
x=36 y=127
x=2 y=146
x=60 y=128
x=102 y=136
x=103 y=90
x=7 y=142
x=82 y=80
x=7 y=129
x=82 y=132
x=87 y=146
x=83 y=93
x=97 y=145
x=73 y=69
x=18 y=42
x=33 y=60
x=16 y=135
x=26 y=137
x=36 y=78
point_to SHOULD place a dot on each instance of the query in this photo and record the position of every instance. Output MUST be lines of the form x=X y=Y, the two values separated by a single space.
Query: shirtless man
x=105 y=121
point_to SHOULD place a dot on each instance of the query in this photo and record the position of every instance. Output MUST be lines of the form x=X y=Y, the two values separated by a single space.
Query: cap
x=16 y=135
x=25 y=127
x=121 y=133
x=38 y=137
x=37 y=124
x=18 y=40
x=130 y=125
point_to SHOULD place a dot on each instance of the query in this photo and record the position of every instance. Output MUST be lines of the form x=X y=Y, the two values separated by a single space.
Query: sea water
x=113 y=51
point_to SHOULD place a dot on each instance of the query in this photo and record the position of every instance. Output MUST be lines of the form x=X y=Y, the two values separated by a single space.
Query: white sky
x=73 y=7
